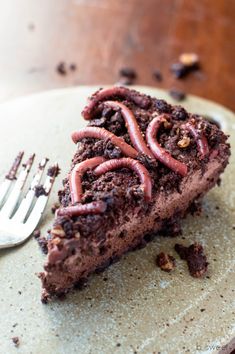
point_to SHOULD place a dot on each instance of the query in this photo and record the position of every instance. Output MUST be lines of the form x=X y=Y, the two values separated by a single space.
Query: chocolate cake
x=139 y=166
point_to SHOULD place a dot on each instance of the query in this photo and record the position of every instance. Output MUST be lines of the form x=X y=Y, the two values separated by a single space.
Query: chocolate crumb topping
x=196 y=260
x=112 y=215
x=166 y=262
x=53 y=171
x=39 y=190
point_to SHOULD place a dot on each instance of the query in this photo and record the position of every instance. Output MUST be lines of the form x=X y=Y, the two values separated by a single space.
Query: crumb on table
x=16 y=341
x=195 y=258
x=165 y=261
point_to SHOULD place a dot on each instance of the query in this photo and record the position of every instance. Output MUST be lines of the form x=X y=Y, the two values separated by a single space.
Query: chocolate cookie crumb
x=39 y=190
x=45 y=298
x=178 y=95
x=187 y=62
x=16 y=341
x=157 y=75
x=181 y=250
x=196 y=260
x=128 y=72
x=53 y=171
x=179 y=70
x=127 y=76
x=73 y=67
x=36 y=234
x=42 y=241
x=195 y=207
x=165 y=261
x=61 y=68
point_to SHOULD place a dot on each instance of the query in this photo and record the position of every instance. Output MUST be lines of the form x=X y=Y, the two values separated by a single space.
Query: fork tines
x=12 y=186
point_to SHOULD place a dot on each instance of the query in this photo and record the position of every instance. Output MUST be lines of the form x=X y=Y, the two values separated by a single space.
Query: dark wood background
x=101 y=36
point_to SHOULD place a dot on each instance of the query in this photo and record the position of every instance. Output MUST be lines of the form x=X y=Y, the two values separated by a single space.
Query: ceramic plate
x=133 y=307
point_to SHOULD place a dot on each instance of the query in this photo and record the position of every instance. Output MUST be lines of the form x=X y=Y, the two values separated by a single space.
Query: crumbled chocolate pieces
x=39 y=190
x=181 y=250
x=45 y=298
x=53 y=171
x=16 y=341
x=127 y=76
x=42 y=241
x=195 y=207
x=62 y=68
x=179 y=113
x=162 y=106
x=196 y=260
x=36 y=234
x=165 y=261
x=179 y=70
x=128 y=72
x=73 y=67
x=188 y=62
x=178 y=95
x=157 y=75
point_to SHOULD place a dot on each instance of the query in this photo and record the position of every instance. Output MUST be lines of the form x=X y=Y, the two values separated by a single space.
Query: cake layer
x=129 y=233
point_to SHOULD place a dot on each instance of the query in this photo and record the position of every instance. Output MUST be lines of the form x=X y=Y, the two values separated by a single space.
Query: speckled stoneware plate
x=133 y=306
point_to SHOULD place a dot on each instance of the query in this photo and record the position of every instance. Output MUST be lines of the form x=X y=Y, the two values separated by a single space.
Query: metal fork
x=18 y=219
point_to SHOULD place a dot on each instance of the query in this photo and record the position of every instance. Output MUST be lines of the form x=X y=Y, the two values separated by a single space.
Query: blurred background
x=50 y=44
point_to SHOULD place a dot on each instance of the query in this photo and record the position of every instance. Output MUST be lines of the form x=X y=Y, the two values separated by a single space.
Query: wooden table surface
x=101 y=36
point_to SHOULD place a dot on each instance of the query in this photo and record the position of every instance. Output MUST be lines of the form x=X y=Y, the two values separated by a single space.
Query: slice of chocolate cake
x=139 y=165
